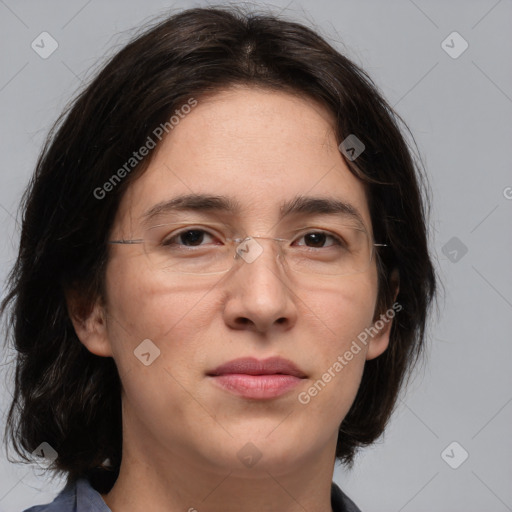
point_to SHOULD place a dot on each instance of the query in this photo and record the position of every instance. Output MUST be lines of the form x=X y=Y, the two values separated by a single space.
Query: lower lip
x=257 y=386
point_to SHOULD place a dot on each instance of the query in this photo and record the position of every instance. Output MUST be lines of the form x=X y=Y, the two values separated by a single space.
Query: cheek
x=343 y=311
x=140 y=308
x=344 y=314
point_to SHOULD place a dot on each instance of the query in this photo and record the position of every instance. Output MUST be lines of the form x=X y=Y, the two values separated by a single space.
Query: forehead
x=262 y=149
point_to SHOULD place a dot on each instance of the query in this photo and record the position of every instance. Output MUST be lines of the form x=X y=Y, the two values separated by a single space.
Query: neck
x=153 y=477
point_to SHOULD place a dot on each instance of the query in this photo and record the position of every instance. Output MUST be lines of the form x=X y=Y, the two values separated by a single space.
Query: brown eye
x=188 y=238
x=317 y=239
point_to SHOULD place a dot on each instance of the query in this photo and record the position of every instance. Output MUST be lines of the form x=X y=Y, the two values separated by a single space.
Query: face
x=260 y=149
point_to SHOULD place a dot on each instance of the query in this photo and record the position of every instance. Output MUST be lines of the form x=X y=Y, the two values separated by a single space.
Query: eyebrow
x=299 y=205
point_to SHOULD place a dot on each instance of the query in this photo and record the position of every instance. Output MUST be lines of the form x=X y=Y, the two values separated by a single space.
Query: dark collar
x=340 y=502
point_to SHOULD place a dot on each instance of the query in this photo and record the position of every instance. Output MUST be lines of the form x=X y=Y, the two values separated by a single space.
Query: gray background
x=459 y=111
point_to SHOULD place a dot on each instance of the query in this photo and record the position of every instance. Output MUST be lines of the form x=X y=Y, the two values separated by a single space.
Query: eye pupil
x=197 y=236
x=318 y=238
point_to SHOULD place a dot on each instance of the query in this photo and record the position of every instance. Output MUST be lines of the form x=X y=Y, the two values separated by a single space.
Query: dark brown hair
x=70 y=398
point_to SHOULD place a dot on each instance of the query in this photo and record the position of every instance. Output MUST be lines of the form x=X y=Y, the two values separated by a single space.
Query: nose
x=259 y=294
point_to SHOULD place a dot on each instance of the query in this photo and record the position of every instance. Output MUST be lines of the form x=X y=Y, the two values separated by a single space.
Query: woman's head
x=253 y=110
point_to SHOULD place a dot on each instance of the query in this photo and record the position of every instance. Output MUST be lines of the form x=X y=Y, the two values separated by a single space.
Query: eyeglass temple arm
x=136 y=241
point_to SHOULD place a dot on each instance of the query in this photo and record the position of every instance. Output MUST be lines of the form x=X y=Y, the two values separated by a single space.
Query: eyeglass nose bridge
x=249 y=249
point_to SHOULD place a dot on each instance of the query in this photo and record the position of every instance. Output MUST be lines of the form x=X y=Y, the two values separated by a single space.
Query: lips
x=255 y=379
x=253 y=366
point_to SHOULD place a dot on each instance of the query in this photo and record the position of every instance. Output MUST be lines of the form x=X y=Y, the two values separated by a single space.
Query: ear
x=381 y=329
x=89 y=323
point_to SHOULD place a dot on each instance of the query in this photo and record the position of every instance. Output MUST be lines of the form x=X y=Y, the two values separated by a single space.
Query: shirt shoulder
x=82 y=497
x=340 y=502
x=75 y=497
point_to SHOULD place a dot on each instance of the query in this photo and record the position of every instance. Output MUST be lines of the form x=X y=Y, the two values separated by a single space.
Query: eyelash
x=169 y=241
